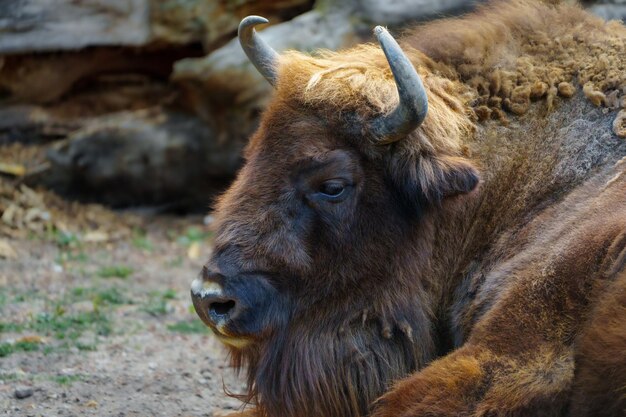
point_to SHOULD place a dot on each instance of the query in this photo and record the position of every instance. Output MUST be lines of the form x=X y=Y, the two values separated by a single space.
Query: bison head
x=322 y=280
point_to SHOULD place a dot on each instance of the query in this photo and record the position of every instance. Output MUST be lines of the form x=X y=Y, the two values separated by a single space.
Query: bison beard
x=337 y=369
x=359 y=245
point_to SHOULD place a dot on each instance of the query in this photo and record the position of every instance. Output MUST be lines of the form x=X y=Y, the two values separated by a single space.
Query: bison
x=435 y=227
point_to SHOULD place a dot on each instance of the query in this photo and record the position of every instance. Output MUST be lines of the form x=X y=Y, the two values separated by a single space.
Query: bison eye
x=332 y=188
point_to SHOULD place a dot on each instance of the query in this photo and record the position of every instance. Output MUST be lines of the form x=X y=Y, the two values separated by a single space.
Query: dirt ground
x=95 y=315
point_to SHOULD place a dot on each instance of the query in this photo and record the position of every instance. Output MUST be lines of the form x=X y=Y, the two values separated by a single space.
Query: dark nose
x=214 y=306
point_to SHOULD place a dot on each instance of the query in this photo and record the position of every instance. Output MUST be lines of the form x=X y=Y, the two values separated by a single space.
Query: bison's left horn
x=413 y=104
x=260 y=53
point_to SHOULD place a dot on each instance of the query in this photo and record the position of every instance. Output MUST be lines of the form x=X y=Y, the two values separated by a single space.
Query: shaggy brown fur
x=516 y=274
x=600 y=379
x=514 y=52
x=505 y=56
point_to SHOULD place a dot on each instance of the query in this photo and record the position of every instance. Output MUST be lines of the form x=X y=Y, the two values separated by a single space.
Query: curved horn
x=260 y=53
x=413 y=104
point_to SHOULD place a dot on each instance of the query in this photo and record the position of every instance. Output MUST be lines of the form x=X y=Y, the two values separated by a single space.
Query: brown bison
x=436 y=229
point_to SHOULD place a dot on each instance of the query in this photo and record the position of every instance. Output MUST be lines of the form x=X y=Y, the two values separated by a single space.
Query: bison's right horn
x=260 y=53
x=413 y=105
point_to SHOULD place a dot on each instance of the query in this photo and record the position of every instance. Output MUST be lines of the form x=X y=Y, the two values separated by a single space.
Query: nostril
x=222 y=308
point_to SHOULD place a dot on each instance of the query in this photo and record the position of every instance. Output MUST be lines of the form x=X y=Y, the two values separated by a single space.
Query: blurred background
x=120 y=121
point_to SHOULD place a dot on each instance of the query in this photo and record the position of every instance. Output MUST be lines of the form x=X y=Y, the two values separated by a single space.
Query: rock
x=23 y=392
x=45 y=78
x=154 y=156
x=213 y=22
x=165 y=30
x=610 y=11
x=61 y=25
x=46 y=25
x=607 y=9
x=394 y=13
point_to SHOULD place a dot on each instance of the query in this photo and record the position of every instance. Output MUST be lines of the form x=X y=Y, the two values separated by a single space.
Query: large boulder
x=153 y=34
x=60 y=25
x=53 y=25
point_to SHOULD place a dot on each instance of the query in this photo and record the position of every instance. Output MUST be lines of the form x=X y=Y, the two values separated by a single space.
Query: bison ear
x=428 y=180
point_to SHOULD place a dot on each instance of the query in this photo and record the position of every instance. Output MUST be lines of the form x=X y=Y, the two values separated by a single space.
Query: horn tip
x=253 y=20
x=379 y=30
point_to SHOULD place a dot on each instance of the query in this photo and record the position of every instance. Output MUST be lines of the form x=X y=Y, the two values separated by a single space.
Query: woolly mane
x=359 y=81
x=499 y=59
x=510 y=53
